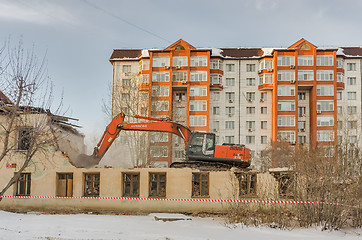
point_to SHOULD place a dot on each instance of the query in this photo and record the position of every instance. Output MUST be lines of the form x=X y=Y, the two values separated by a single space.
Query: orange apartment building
x=302 y=94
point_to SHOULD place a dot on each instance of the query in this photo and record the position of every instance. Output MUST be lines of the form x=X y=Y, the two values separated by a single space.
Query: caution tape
x=189 y=200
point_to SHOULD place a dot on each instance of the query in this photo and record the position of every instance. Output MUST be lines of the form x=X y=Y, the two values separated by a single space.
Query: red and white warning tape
x=188 y=200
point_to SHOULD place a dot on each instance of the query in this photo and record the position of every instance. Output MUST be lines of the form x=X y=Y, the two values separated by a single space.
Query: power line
x=123 y=20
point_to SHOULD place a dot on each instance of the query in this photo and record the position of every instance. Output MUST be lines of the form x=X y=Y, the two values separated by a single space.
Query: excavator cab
x=201 y=146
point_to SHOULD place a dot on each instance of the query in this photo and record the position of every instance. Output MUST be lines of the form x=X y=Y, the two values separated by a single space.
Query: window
x=250 y=96
x=325 y=121
x=266 y=64
x=200 y=184
x=352 y=95
x=247 y=184
x=216 y=125
x=157 y=185
x=325 y=105
x=301 y=95
x=340 y=77
x=229 y=139
x=126 y=82
x=216 y=64
x=302 y=139
x=229 y=125
x=179 y=61
x=305 y=60
x=264 y=110
x=339 y=95
x=285 y=60
x=325 y=90
x=23 y=185
x=197 y=105
x=301 y=125
x=180 y=154
x=263 y=96
x=230 y=82
x=302 y=111
x=351 y=67
x=286 y=75
x=91 y=184
x=325 y=135
x=160 y=61
x=265 y=78
x=250 y=139
x=288 y=136
x=230 y=96
x=286 y=105
x=198 y=76
x=352 y=139
x=179 y=76
x=339 y=125
x=158 y=137
x=198 y=61
x=264 y=139
x=305 y=75
x=325 y=75
x=340 y=62
x=159 y=151
x=230 y=110
x=250 y=110
x=65 y=184
x=324 y=60
x=160 y=91
x=160 y=76
x=157 y=106
x=352 y=109
x=145 y=78
x=145 y=64
x=285 y=90
x=230 y=67
x=215 y=79
x=250 y=125
x=197 y=121
x=285 y=183
x=264 y=124
x=339 y=110
x=286 y=120
x=126 y=68
x=131 y=183
x=125 y=97
x=250 y=67
x=250 y=82
x=25 y=138
x=216 y=96
x=198 y=91
x=352 y=124
x=216 y=110
x=351 y=81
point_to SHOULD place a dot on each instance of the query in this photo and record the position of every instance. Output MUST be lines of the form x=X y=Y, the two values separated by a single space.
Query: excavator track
x=203 y=166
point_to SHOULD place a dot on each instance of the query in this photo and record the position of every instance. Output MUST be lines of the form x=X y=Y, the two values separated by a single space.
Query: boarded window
x=65 y=185
x=247 y=184
x=157 y=184
x=22 y=187
x=200 y=184
x=25 y=138
x=131 y=184
x=91 y=184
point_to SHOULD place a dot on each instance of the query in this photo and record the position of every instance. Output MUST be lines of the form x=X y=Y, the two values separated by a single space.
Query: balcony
x=216 y=86
x=340 y=85
x=144 y=87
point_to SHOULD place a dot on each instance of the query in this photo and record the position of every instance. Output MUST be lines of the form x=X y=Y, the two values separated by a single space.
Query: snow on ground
x=132 y=227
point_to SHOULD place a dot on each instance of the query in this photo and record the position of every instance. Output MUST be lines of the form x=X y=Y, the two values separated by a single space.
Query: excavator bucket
x=85 y=161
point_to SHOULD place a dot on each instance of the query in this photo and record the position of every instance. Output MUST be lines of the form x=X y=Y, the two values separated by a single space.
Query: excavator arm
x=157 y=125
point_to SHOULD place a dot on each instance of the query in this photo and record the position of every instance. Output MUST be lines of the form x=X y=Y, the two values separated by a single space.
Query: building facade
x=253 y=96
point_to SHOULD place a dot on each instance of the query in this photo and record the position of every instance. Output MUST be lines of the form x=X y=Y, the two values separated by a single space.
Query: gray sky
x=80 y=35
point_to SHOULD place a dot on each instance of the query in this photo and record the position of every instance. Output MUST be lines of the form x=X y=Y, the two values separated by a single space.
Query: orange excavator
x=200 y=146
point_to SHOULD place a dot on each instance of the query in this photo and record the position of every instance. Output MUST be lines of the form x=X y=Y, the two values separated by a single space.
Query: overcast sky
x=80 y=35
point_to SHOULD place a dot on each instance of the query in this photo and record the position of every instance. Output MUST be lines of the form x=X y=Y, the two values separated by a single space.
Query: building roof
x=126 y=53
x=241 y=52
x=4 y=99
x=352 y=51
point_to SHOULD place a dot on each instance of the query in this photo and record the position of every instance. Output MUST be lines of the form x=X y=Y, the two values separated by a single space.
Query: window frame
x=158 y=181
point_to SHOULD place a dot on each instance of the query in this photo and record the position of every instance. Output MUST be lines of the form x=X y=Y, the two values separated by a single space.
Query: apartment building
x=302 y=94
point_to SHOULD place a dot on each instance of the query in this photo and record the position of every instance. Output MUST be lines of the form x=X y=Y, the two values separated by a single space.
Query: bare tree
x=127 y=98
x=25 y=123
